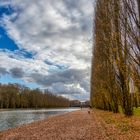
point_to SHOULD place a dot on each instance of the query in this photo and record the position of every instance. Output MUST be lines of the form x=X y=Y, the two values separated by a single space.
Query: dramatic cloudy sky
x=47 y=44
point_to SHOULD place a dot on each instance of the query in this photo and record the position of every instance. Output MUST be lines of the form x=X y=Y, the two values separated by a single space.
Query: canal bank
x=11 y=118
x=78 y=125
x=74 y=125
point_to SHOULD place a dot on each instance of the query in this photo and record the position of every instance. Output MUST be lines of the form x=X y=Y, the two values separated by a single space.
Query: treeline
x=115 y=80
x=16 y=96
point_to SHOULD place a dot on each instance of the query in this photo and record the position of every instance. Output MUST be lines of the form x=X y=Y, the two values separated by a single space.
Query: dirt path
x=78 y=125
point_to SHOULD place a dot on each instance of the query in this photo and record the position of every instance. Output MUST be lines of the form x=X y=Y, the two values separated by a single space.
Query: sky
x=47 y=44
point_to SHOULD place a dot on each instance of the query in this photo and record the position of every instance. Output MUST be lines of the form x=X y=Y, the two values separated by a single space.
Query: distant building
x=77 y=103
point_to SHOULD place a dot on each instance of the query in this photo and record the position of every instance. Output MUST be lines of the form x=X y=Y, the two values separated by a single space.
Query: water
x=13 y=118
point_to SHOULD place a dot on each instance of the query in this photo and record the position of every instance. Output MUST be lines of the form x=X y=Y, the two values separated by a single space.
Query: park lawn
x=137 y=111
x=126 y=128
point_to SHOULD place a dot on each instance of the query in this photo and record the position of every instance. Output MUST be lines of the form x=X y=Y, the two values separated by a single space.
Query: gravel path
x=78 y=125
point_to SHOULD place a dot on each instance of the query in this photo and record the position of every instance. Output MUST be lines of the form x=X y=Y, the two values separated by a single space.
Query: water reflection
x=13 y=118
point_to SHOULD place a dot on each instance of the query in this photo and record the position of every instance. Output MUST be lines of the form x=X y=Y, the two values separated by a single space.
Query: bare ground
x=78 y=125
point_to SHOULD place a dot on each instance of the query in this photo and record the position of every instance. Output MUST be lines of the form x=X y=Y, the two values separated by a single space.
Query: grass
x=136 y=111
x=127 y=128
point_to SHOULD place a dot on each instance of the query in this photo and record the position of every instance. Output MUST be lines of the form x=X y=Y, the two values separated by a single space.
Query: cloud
x=71 y=89
x=17 y=72
x=56 y=35
x=69 y=76
x=3 y=71
x=72 y=82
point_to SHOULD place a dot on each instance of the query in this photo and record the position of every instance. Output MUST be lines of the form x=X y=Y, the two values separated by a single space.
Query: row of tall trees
x=16 y=96
x=115 y=79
